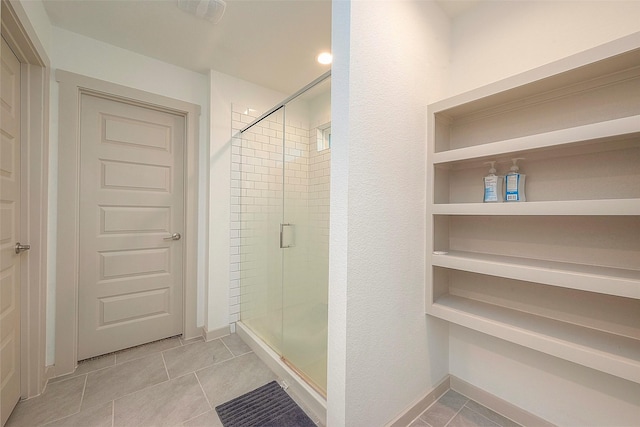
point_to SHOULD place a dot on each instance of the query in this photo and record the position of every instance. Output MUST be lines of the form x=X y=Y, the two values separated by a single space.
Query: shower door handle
x=287 y=236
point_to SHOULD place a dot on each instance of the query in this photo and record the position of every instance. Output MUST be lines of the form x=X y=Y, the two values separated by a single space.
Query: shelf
x=611 y=58
x=568 y=207
x=612 y=281
x=624 y=127
x=615 y=355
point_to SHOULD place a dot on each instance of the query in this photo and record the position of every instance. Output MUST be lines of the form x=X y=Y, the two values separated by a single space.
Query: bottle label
x=511 y=193
x=491 y=189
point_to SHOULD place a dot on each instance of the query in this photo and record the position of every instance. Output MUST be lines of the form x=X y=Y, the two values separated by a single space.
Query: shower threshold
x=304 y=377
x=310 y=397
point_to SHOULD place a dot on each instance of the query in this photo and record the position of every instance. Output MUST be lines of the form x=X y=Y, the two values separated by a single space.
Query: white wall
x=495 y=40
x=225 y=91
x=78 y=54
x=37 y=17
x=384 y=353
x=83 y=55
x=561 y=392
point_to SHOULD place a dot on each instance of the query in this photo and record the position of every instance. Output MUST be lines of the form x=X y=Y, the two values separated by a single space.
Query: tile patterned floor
x=177 y=383
x=454 y=410
x=164 y=383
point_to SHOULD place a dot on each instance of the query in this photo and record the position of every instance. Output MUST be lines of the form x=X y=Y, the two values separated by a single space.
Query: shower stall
x=280 y=166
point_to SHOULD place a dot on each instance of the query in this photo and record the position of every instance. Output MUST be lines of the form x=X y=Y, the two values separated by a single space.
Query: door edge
x=34 y=70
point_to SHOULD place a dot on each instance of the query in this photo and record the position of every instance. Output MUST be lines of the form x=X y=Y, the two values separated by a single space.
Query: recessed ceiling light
x=325 y=58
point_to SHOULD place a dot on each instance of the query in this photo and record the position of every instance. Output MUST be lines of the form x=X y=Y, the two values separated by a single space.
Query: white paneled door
x=9 y=233
x=131 y=221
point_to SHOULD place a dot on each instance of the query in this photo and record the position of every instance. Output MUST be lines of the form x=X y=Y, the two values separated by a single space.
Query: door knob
x=22 y=248
x=174 y=236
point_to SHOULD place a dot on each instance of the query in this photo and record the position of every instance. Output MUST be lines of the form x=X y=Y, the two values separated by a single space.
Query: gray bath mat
x=266 y=406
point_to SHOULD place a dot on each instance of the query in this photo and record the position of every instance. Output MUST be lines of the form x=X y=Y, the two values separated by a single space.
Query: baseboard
x=215 y=333
x=421 y=405
x=497 y=404
x=487 y=399
x=49 y=372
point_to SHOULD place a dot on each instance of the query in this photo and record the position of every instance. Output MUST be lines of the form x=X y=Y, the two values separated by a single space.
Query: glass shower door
x=283 y=188
x=261 y=212
x=306 y=232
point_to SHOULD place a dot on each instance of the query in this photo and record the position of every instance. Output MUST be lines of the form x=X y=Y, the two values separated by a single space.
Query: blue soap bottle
x=514 y=183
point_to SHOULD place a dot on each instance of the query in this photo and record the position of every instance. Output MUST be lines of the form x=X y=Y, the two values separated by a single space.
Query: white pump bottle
x=492 y=185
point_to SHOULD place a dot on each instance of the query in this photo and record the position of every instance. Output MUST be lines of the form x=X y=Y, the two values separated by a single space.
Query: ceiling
x=455 y=8
x=272 y=43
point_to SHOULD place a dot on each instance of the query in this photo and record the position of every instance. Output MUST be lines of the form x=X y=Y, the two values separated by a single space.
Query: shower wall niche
x=280 y=229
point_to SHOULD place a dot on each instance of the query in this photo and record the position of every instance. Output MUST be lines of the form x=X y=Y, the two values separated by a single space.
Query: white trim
x=472 y=392
x=34 y=70
x=498 y=405
x=215 y=333
x=421 y=405
x=71 y=86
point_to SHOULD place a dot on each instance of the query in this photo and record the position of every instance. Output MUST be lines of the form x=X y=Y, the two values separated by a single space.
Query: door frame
x=71 y=87
x=34 y=127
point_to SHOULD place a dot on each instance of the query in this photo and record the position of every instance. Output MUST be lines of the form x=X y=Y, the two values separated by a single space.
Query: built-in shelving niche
x=559 y=273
